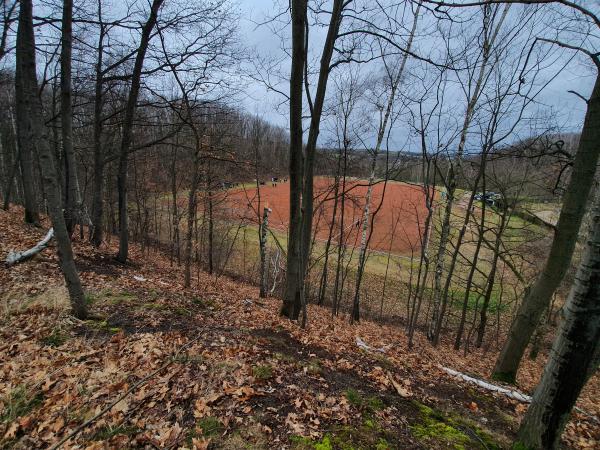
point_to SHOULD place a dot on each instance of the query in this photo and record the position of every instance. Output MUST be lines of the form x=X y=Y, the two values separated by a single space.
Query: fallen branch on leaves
x=18 y=257
x=516 y=395
x=364 y=346
x=85 y=424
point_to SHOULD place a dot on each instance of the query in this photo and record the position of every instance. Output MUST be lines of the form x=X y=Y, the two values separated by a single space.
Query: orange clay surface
x=398 y=223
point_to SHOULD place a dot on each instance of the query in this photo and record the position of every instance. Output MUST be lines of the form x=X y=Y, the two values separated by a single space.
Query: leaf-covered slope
x=215 y=367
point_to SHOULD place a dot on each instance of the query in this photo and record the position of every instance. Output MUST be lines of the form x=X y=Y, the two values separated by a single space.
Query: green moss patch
x=108 y=296
x=55 y=339
x=108 y=432
x=313 y=367
x=354 y=397
x=369 y=435
x=154 y=306
x=210 y=426
x=450 y=431
x=262 y=372
x=18 y=403
x=207 y=303
x=182 y=311
x=431 y=429
x=102 y=325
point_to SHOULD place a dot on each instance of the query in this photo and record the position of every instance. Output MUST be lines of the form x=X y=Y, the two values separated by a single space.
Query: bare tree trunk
x=575 y=353
x=323 y=282
x=292 y=302
x=337 y=292
x=35 y=129
x=191 y=214
x=395 y=79
x=313 y=134
x=490 y=280
x=456 y=164
x=25 y=103
x=387 y=267
x=73 y=202
x=175 y=244
x=128 y=130
x=211 y=223
x=7 y=18
x=465 y=306
x=424 y=259
x=12 y=175
x=263 y=228
x=565 y=237
x=97 y=230
x=362 y=254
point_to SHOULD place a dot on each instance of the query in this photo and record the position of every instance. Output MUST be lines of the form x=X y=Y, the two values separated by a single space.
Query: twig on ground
x=81 y=427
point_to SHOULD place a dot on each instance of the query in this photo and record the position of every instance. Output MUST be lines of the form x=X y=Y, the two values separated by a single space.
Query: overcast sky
x=556 y=99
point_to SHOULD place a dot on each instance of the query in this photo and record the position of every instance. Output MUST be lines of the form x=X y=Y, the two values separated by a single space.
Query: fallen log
x=515 y=395
x=364 y=346
x=18 y=257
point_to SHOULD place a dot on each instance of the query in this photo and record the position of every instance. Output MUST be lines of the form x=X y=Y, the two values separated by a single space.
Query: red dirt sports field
x=398 y=222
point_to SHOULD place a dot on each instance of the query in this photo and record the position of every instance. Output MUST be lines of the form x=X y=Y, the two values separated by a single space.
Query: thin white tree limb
x=516 y=395
x=18 y=257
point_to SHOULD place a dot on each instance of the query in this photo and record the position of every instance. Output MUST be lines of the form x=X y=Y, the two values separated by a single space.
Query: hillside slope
x=215 y=367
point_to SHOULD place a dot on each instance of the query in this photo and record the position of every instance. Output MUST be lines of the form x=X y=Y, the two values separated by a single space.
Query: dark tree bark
x=491 y=279
x=292 y=302
x=25 y=101
x=313 y=134
x=211 y=223
x=7 y=18
x=38 y=133
x=72 y=193
x=128 y=129
x=474 y=260
x=337 y=291
x=97 y=230
x=192 y=204
x=565 y=237
x=11 y=179
x=575 y=353
x=175 y=244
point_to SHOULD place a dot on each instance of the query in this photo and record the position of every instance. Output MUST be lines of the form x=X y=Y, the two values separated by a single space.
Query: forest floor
x=213 y=366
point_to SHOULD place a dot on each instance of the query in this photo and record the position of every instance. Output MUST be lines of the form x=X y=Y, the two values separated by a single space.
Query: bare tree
x=73 y=204
x=8 y=17
x=490 y=31
x=31 y=126
x=565 y=237
x=127 y=133
x=292 y=300
x=575 y=354
x=393 y=77
x=97 y=227
x=26 y=100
